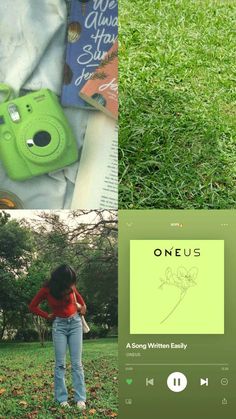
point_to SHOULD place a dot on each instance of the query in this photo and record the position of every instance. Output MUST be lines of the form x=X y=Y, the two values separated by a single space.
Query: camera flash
x=30 y=143
x=14 y=113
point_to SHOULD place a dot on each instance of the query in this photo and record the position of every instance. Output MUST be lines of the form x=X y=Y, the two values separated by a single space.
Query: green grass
x=177 y=104
x=26 y=375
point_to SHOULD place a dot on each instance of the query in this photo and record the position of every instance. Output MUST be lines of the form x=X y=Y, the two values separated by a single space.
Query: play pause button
x=177 y=382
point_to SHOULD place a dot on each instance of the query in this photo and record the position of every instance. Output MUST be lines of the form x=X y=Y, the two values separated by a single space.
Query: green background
x=215 y=353
x=198 y=312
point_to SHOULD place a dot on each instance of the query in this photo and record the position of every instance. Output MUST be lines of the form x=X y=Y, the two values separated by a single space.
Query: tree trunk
x=4 y=323
x=40 y=327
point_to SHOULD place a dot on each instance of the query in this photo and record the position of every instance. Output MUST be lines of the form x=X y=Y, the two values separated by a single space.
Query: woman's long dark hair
x=62 y=278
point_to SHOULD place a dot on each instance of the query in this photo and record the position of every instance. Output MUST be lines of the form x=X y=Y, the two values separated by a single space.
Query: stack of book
x=91 y=82
x=91 y=68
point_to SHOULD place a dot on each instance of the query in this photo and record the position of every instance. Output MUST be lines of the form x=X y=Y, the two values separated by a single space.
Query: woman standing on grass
x=59 y=292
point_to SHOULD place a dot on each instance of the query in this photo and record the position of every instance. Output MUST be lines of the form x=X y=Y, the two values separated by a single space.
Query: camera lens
x=42 y=138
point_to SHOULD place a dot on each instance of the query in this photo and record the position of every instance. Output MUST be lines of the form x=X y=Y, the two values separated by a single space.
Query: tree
x=30 y=249
x=99 y=285
x=15 y=250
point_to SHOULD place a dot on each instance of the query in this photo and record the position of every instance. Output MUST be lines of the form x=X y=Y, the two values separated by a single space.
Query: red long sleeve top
x=60 y=308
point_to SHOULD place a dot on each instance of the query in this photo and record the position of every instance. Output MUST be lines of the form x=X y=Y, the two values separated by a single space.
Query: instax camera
x=35 y=137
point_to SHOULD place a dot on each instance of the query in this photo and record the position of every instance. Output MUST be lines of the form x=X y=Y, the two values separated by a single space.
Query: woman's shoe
x=65 y=404
x=81 y=405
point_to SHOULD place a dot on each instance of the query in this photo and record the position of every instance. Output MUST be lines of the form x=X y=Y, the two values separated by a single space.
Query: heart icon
x=129 y=380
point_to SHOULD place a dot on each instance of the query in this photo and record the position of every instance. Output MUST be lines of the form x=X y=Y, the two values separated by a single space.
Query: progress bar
x=146 y=365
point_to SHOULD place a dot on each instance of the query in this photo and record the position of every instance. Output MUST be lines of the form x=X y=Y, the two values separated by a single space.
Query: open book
x=97 y=179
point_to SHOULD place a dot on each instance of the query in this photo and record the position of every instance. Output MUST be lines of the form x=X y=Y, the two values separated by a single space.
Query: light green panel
x=182 y=294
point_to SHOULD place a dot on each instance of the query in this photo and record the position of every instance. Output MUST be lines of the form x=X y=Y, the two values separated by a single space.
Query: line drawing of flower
x=182 y=279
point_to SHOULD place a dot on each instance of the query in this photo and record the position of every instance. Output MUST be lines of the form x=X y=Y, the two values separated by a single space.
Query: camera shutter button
x=7 y=135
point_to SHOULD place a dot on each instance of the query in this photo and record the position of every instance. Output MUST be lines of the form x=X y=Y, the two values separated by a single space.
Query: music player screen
x=177 y=295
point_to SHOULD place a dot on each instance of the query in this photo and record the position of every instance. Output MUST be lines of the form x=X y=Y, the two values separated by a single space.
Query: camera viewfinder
x=14 y=113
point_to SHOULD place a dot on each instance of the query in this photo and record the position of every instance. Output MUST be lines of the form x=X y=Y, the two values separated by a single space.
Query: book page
x=97 y=180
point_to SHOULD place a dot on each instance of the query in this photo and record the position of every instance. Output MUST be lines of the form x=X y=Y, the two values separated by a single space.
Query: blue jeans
x=68 y=331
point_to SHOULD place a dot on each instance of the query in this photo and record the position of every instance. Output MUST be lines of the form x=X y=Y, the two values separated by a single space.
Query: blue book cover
x=92 y=30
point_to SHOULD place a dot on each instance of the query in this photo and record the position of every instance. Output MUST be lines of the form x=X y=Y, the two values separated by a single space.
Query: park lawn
x=26 y=381
x=177 y=89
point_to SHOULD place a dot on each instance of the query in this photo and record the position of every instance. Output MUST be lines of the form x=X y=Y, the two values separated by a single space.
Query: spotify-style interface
x=177 y=310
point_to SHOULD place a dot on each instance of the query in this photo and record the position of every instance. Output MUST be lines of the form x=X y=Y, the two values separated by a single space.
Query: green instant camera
x=35 y=137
